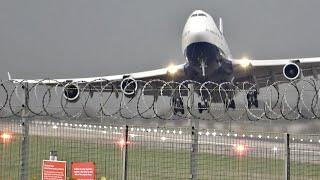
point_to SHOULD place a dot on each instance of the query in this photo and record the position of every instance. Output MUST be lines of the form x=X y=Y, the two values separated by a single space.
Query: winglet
x=9 y=76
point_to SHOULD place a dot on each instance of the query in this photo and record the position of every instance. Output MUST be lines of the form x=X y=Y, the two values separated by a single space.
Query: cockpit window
x=200 y=14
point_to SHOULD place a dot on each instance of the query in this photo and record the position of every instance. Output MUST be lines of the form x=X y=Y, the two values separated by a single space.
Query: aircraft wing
x=266 y=72
x=169 y=73
x=127 y=83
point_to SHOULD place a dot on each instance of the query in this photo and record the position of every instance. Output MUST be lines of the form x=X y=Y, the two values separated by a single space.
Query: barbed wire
x=298 y=99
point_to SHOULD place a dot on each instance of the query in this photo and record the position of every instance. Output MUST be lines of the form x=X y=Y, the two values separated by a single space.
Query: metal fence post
x=194 y=136
x=194 y=153
x=125 y=154
x=287 y=156
x=25 y=135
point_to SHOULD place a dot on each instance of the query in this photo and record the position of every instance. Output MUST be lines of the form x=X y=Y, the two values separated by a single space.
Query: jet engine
x=71 y=92
x=291 y=71
x=129 y=86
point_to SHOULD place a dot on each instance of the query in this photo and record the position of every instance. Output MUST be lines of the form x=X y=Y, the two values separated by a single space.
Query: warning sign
x=83 y=170
x=54 y=170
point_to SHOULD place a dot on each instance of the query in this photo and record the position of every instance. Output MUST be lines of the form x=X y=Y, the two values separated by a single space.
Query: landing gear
x=177 y=105
x=229 y=103
x=203 y=107
x=203 y=67
x=252 y=98
x=232 y=104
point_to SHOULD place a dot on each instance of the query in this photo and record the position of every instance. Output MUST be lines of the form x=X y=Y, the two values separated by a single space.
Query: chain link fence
x=36 y=119
x=157 y=153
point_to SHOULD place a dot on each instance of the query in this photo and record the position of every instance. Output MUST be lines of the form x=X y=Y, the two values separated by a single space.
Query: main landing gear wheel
x=252 y=98
x=203 y=107
x=177 y=105
x=229 y=103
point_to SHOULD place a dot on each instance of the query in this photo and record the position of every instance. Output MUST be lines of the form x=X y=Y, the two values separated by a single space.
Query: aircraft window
x=193 y=15
x=202 y=15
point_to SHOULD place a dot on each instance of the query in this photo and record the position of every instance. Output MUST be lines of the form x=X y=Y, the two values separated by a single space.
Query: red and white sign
x=54 y=170
x=83 y=170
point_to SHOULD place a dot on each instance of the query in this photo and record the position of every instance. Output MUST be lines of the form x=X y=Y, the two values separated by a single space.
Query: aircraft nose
x=198 y=26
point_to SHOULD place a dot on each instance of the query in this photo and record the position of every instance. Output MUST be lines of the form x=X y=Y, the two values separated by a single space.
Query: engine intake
x=291 y=71
x=71 y=92
x=129 y=86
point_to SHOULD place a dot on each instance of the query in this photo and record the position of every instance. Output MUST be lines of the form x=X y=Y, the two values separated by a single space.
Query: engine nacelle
x=71 y=92
x=291 y=71
x=129 y=86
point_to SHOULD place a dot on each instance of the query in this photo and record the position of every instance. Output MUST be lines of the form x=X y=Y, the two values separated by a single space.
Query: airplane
x=208 y=58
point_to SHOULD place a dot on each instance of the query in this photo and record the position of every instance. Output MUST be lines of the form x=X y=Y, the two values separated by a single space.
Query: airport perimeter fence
x=141 y=152
x=36 y=120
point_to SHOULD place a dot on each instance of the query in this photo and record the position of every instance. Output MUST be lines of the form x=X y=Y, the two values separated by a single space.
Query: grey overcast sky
x=81 y=38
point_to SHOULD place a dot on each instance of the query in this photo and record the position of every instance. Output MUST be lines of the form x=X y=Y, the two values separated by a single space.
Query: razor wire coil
x=167 y=100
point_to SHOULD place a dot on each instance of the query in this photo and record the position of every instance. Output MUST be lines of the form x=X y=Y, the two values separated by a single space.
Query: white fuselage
x=205 y=49
x=200 y=27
